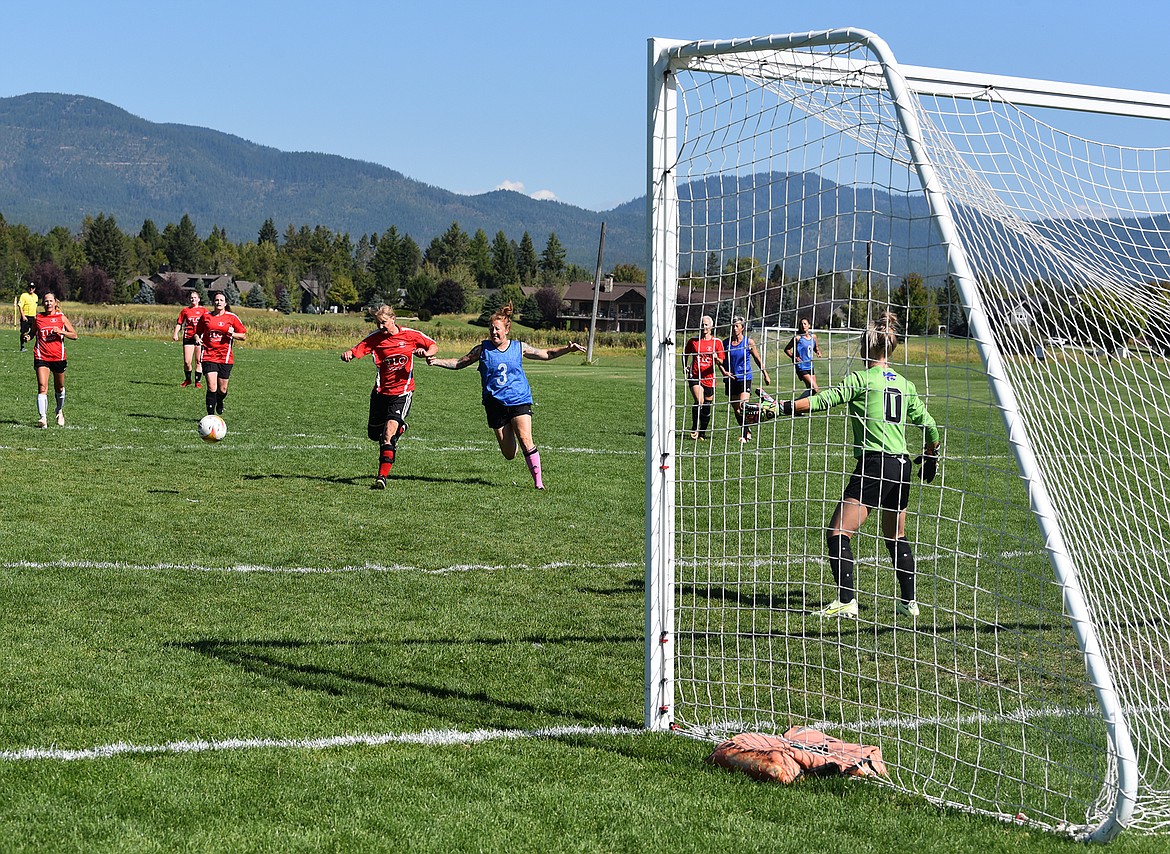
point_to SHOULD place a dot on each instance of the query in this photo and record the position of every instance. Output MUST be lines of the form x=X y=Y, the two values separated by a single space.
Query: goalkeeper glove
x=785 y=407
x=928 y=460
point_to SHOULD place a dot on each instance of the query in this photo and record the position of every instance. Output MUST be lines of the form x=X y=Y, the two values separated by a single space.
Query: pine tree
x=504 y=270
x=283 y=300
x=526 y=263
x=552 y=261
x=268 y=232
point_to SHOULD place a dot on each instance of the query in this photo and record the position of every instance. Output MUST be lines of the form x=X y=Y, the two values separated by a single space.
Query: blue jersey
x=502 y=372
x=804 y=352
x=739 y=359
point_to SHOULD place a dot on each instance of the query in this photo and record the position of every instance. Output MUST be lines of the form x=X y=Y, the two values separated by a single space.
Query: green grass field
x=240 y=647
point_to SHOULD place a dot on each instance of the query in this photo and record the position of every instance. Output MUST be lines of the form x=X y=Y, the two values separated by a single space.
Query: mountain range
x=63 y=157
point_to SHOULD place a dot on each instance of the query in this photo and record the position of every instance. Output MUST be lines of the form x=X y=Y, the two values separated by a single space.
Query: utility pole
x=596 y=294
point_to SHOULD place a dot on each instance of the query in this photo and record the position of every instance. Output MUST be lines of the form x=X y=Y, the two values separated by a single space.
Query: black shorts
x=881 y=480
x=736 y=387
x=385 y=408
x=26 y=326
x=222 y=369
x=801 y=373
x=190 y=342
x=499 y=414
x=55 y=367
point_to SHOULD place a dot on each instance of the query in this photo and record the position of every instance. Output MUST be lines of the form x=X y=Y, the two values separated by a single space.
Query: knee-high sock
x=694 y=417
x=385 y=459
x=60 y=400
x=43 y=405
x=903 y=558
x=219 y=402
x=704 y=417
x=532 y=457
x=210 y=399
x=841 y=562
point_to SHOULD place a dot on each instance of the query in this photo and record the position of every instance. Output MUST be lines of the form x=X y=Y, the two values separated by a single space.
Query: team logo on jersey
x=889 y=375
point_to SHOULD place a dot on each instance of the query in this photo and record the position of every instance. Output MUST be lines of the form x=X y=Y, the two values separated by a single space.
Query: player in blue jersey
x=507 y=397
x=801 y=350
x=881 y=402
x=740 y=351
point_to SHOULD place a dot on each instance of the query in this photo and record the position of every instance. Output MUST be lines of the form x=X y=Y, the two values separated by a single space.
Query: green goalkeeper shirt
x=881 y=401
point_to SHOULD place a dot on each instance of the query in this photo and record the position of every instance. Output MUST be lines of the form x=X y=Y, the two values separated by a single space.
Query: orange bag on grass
x=802 y=751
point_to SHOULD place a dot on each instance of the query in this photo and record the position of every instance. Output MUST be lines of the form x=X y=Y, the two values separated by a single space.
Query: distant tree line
x=99 y=265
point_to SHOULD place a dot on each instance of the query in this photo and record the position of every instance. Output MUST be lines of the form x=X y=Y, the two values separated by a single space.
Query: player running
x=218 y=330
x=801 y=350
x=50 y=328
x=507 y=397
x=394 y=348
x=701 y=356
x=880 y=403
x=188 y=320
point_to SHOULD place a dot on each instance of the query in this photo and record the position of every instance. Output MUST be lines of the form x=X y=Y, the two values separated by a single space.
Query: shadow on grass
x=367 y=479
x=420 y=693
x=186 y=419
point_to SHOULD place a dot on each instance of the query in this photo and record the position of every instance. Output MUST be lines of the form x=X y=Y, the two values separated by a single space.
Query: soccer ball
x=212 y=428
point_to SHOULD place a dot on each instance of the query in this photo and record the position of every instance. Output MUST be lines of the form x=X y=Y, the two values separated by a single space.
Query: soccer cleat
x=198 y=384
x=907 y=609
x=379 y=483
x=60 y=419
x=42 y=423
x=838 y=609
x=184 y=383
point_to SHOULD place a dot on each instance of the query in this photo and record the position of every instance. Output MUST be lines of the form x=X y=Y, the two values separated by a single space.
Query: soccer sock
x=187 y=373
x=219 y=402
x=532 y=457
x=60 y=400
x=694 y=418
x=209 y=399
x=198 y=376
x=903 y=559
x=42 y=406
x=704 y=417
x=386 y=459
x=841 y=562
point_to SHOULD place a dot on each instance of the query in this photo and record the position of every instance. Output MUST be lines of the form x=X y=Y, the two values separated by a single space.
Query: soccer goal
x=813 y=176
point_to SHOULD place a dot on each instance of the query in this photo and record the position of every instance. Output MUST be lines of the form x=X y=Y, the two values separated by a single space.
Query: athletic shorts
x=222 y=369
x=881 y=480
x=190 y=342
x=801 y=373
x=708 y=390
x=499 y=414
x=385 y=408
x=736 y=387
x=54 y=367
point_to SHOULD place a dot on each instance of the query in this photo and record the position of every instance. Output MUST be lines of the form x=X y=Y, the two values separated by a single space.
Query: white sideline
x=313 y=570
x=433 y=738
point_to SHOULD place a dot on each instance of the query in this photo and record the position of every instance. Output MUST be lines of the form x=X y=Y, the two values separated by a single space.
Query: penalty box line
x=428 y=738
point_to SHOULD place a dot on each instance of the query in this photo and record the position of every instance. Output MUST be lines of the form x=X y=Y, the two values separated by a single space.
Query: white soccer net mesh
x=798 y=199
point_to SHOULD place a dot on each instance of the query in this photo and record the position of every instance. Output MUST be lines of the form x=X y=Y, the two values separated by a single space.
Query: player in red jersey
x=702 y=355
x=188 y=320
x=50 y=328
x=394 y=348
x=218 y=329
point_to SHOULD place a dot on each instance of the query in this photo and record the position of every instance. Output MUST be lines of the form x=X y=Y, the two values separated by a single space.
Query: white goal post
x=810 y=176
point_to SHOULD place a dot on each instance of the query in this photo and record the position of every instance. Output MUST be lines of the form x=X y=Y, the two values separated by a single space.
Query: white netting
x=797 y=198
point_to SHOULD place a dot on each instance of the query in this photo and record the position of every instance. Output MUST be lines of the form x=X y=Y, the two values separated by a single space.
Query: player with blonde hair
x=880 y=403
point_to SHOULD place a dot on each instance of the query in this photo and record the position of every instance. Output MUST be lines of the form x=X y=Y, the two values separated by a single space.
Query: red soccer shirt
x=217 y=344
x=704 y=353
x=393 y=357
x=49 y=333
x=189 y=319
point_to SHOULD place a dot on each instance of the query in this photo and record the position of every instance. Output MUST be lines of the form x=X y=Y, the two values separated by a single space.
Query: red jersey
x=705 y=353
x=189 y=319
x=48 y=331
x=217 y=344
x=393 y=357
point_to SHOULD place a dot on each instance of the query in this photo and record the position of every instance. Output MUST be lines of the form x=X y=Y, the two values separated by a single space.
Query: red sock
x=385 y=461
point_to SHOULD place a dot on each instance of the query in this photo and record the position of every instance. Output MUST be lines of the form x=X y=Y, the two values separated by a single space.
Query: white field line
x=430 y=738
x=313 y=570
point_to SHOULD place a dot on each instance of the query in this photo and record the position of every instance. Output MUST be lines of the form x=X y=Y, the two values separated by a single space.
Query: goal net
x=810 y=177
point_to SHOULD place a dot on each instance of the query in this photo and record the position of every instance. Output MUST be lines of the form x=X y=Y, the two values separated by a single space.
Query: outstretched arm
x=455 y=364
x=553 y=353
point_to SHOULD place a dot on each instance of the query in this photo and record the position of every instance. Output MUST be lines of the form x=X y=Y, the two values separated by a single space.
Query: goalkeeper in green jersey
x=880 y=403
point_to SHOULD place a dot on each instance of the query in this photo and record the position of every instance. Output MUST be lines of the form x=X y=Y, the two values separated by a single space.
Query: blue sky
x=547 y=98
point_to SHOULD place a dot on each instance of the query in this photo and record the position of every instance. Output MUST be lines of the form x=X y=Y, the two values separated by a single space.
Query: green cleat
x=907 y=609
x=838 y=609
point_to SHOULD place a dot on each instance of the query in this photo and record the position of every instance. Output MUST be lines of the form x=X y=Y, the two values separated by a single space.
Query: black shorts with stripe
x=881 y=480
